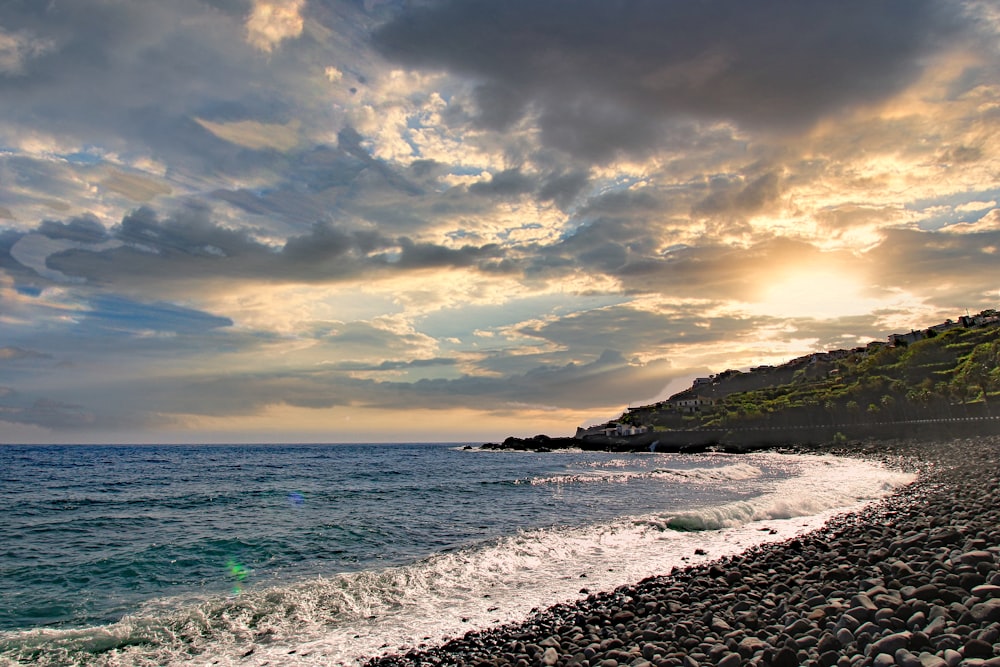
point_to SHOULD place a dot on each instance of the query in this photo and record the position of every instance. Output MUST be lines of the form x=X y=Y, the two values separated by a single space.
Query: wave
x=728 y=473
x=340 y=619
x=827 y=484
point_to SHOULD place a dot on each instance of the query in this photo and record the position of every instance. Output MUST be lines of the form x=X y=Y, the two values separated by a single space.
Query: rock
x=845 y=637
x=827 y=642
x=931 y=660
x=798 y=627
x=786 y=657
x=828 y=659
x=624 y=616
x=986 y=612
x=890 y=644
x=986 y=591
x=750 y=645
x=884 y=660
x=550 y=656
x=862 y=600
x=952 y=657
x=904 y=658
x=927 y=592
x=730 y=660
x=720 y=626
x=975 y=557
x=977 y=648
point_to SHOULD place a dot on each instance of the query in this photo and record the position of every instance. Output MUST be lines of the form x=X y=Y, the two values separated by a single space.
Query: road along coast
x=912 y=580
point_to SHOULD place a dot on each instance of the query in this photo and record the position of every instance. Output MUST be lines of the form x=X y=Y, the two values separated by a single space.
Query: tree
x=980 y=370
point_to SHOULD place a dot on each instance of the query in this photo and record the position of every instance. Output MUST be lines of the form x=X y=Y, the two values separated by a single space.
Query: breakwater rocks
x=913 y=581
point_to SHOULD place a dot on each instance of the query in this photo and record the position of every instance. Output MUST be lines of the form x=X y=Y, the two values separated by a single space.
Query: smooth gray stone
x=890 y=643
x=904 y=658
x=977 y=648
x=986 y=591
x=931 y=660
x=986 y=612
x=730 y=660
x=974 y=557
x=952 y=657
x=845 y=637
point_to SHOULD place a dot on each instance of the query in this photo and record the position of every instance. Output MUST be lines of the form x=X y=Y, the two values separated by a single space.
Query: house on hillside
x=944 y=326
x=610 y=430
x=690 y=402
x=980 y=319
x=896 y=340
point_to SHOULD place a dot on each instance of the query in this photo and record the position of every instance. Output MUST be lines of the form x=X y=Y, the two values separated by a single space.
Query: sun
x=821 y=293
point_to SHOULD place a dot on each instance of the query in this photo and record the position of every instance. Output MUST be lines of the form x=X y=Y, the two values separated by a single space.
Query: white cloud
x=252 y=134
x=272 y=21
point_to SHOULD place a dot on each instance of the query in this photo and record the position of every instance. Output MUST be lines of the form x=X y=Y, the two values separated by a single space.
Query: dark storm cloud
x=738 y=196
x=189 y=246
x=510 y=182
x=604 y=77
x=345 y=182
x=132 y=77
x=85 y=229
x=562 y=188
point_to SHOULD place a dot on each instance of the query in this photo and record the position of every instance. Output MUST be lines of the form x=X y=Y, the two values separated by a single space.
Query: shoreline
x=912 y=579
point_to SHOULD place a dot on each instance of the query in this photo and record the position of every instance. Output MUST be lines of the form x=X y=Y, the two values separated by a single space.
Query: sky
x=396 y=220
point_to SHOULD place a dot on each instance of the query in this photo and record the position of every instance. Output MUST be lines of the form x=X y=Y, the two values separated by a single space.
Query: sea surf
x=326 y=555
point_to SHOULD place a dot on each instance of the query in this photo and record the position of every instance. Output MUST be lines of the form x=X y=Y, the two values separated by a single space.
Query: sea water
x=326 y=554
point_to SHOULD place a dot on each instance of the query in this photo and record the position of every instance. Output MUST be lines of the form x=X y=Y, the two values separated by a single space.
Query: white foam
x=339 y=620
x=728 y=473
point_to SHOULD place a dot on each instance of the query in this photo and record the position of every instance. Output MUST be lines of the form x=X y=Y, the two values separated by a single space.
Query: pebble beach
x=912 y=580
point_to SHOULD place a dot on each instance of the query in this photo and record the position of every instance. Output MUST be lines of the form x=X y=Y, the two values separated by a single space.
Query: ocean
x=326 y=554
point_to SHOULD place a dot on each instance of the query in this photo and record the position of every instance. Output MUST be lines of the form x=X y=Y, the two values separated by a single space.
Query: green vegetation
x=951 y=374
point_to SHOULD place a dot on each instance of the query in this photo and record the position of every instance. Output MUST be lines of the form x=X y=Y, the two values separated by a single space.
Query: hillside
x=948 y=371
x=942 y=381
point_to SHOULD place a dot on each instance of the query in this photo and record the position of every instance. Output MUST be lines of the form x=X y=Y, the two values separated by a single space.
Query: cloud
x=144 y=252
x=739 y=197
x=603 y=78
x=117 y=313
x=19 y=48
x=272 y=21
x=12 y=353
x=949 y=270
x=255 y=135
x=50 y=414
x=137 y=187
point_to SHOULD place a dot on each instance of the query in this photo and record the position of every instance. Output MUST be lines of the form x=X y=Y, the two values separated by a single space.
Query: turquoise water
x=153 y=554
